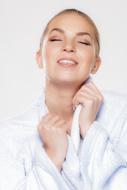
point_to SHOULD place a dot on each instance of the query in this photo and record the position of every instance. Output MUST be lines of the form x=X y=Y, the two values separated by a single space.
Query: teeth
x=67 y=62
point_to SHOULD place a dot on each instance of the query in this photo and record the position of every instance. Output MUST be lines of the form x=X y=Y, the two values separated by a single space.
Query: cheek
x=51 y=52
x=87 y=60
x=48 y=51
x=49 y=57
x=86 y=56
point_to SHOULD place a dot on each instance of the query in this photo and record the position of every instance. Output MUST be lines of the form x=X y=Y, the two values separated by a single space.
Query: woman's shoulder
x=114 y=100
x=113 y=112
x=23 y=125
x=20 y=126
x=114 y=106
x=114 y=96
x=25 y=119
x=17 y=131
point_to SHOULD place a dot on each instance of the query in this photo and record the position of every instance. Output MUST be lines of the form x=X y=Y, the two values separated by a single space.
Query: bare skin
x=53 y=130
x=65 y=85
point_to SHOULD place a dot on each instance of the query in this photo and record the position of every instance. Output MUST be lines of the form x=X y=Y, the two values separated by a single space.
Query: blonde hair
x=90 y=21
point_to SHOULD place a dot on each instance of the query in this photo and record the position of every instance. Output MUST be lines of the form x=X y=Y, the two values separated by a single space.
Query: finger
x=51 y=121
x=89 y=92
x=91 y=88
x=45 y=117
x=86 y=93
x=88 y=100
x=85 y=99
x=85 y=87
x=94 y=87
x=59 y=123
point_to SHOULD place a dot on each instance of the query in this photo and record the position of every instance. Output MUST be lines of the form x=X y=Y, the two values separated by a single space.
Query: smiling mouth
x=67 y=62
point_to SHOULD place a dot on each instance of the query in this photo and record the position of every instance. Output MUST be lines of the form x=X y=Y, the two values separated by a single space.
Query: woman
x=74 y=137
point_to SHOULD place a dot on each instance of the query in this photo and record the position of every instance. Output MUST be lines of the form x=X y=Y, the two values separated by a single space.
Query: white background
x=21 y=25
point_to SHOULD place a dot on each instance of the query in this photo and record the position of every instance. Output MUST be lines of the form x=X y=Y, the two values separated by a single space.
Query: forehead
x=71 y=22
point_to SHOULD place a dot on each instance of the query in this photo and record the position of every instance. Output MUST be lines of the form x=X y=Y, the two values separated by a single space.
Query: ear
x=39 y=59
x=96 y=65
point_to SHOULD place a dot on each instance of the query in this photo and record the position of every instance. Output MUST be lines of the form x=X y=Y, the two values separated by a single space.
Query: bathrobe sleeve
x=29 y=168
x=104 y=157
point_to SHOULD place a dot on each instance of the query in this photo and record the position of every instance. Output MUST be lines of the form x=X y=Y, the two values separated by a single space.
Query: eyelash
x=84 y=43
x=52 y=40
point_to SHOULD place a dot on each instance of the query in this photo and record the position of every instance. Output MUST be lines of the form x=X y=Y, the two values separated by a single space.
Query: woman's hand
x=91 y=99
x=53 y=132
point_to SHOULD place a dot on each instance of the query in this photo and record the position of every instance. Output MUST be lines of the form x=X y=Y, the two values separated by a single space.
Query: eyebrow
x=78 y=34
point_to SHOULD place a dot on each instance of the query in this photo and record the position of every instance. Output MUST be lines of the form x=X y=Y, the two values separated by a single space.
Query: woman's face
x=68 y=50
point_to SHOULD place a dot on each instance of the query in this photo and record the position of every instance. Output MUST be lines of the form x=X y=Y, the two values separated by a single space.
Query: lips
x=66 y=62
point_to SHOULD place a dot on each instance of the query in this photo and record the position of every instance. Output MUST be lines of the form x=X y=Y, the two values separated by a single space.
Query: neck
x=59 y=100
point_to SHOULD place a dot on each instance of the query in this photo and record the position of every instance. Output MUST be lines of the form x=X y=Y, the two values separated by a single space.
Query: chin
x=67 y=80
x=68 y=83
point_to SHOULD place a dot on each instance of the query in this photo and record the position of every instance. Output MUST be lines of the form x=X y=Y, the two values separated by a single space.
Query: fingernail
x=75 y=107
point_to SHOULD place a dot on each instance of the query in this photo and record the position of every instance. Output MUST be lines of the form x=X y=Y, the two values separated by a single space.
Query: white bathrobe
x=97 y=162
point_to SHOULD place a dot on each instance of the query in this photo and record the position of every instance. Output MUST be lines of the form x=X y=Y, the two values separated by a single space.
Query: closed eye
x=52 y=40
x=85 y=43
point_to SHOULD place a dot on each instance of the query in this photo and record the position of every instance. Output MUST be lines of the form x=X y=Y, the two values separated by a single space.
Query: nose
x=69 y=47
